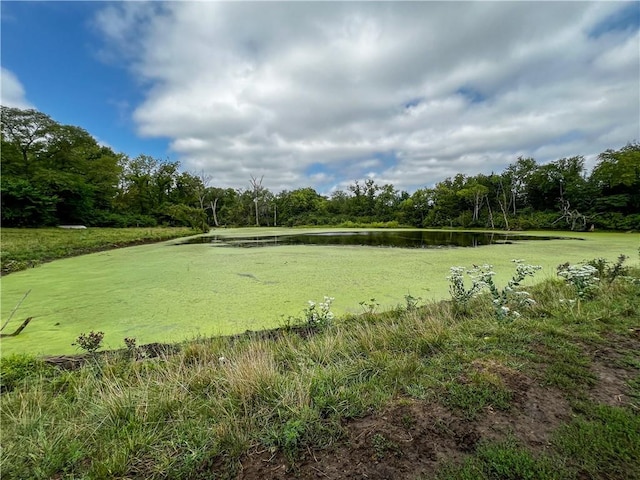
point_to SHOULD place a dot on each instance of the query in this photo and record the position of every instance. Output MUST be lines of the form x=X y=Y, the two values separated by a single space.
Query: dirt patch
x=407 y=440
x=414 y=439
x=536 y=410
x=613 y=366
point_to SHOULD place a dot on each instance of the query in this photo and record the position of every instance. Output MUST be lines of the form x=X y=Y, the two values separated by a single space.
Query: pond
x=164 y=293
x=391 y=238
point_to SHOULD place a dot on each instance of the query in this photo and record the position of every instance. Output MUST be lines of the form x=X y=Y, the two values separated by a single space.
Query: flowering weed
x=506 y=302
x=319 y=315
x=583 y=278
x=460 y=294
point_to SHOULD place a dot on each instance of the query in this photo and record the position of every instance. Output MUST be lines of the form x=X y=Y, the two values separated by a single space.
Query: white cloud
x=12 y=91
x=278 y=88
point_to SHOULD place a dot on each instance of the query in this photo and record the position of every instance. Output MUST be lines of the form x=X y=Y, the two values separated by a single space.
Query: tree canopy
x=57 y=174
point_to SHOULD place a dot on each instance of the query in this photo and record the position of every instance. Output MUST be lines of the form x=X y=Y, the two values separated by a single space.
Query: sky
x=322 y=94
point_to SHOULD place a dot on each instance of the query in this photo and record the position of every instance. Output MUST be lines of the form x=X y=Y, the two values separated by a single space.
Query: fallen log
x=14 y=310
x=17 y=332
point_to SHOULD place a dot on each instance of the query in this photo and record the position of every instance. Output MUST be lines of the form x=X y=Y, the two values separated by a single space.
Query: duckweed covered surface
x=164 y=292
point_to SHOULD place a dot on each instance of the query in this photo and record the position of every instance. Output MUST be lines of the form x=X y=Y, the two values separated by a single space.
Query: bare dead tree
x=214 y=205
x=256 y=186
x=202 y=190
x=493 y=226
x=572 y=217
x=501 y=197
x=20 y=328
x=275 y=214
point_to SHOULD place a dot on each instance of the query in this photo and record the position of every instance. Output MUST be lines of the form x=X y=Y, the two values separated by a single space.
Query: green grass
x=23 y=248
x=219 y=398
x=163 y=292
x=602 y=441
x=506 y=461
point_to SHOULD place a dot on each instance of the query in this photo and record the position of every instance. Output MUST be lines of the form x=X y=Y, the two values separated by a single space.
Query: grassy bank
x=415 y=393
x=165 y=292
x=23 y=248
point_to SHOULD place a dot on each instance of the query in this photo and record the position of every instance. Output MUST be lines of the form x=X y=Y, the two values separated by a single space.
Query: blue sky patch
x=68 y=81
x=316 y=168
x=625 y=19
x=388 y=159
x=471 y=95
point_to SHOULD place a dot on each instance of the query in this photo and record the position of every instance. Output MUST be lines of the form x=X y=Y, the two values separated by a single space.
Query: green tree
x=555 y=184
x=149 y=186
x=448 y=208
x=24 y=205
x=386 y=203
x=64 y=167
x=302 y=206
x=617 y=179
x=515 y=182
x=27 y=133
x=475 y=194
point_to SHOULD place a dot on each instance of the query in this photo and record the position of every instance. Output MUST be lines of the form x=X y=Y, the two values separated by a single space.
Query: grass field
x=166 y=292
x=24 y=248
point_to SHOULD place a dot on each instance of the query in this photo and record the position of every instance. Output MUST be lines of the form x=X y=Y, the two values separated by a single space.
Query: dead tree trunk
x=572 y=217
x=257 y=188
x=17 y=332
x=214 y=205
x=491 y=214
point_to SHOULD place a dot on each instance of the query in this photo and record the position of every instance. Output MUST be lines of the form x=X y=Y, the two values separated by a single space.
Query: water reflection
x=395 y=238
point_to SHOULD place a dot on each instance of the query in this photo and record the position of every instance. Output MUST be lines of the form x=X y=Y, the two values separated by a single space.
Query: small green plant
x=608 y=271
x=382 y=445
x=411 y=303
x=90 y=342
x=407 y=421
x=130 y=343
x=287 y=437
x=369 y=307
x=319 y=315
x=134 y=352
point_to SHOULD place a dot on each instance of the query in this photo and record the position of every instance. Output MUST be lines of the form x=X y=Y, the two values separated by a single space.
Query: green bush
x=616 y=221
x=16 y=369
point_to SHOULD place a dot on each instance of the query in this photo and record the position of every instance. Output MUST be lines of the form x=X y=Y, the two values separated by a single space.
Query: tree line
x=58 y=174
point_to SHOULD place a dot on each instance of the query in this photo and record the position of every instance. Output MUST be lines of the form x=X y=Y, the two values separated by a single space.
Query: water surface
x=377 y=238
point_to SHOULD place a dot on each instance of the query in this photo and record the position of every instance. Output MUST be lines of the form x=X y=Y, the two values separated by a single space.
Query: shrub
x=509 y=300
x=91 y=342
x=608 y=271
x=14 y=369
